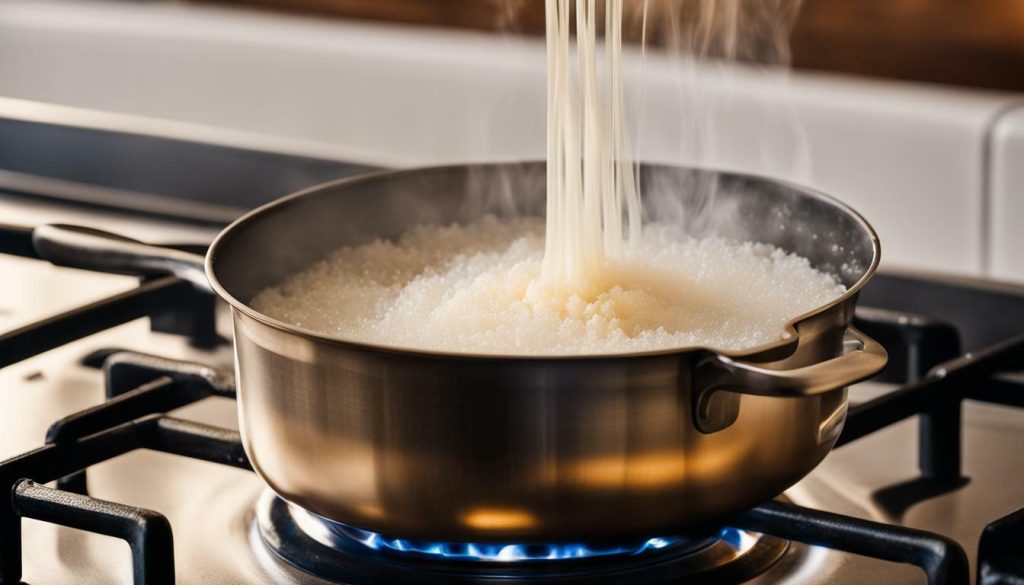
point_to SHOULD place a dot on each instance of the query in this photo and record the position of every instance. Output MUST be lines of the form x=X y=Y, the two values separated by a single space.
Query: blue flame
x=502 y=552
x=336 y=535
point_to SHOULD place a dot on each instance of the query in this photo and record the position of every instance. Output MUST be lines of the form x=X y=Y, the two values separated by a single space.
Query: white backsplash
x=1006 y=206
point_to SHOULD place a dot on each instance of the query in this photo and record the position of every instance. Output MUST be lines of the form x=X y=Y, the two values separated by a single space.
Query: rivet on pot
x=715 y=410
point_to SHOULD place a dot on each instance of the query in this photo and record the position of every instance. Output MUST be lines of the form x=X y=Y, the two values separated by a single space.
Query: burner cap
x=344 y=554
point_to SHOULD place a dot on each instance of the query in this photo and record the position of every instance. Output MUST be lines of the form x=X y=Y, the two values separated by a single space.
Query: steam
x=711 y=51
x=749 y=31
x=507 y=13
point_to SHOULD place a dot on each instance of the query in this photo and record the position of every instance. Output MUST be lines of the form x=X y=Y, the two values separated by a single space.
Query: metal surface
x=851 y=366
x=147 y=532
x=489 y=448
x=59 y=329
x=121 y=163
x=942 y=559
x=999 y=558
x=88 y=248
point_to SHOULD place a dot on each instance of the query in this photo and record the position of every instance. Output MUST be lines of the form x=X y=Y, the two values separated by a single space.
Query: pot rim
x=785 y=344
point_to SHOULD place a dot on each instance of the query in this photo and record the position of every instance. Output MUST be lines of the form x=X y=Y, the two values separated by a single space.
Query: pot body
x=477 y=448
x=464 y=451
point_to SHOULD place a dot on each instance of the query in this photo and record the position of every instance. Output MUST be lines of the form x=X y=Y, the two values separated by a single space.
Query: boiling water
x=477 y=288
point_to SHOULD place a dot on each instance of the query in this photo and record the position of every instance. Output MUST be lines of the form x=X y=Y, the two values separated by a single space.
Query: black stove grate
x=173 y=306
x=1000 y=561
x=938 y=380
x=925 y=358
x=148 y=533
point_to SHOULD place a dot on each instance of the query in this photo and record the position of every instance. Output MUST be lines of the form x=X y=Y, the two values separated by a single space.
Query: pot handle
x=855 y=365
x=92 y=249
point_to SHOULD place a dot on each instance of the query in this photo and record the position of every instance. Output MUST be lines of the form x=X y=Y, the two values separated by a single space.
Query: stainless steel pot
x=489 y=448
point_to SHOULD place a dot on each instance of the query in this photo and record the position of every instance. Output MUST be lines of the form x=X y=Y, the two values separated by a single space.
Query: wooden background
x=976 y=43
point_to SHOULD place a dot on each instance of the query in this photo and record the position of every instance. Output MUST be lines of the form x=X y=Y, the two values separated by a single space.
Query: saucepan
x=489 y=448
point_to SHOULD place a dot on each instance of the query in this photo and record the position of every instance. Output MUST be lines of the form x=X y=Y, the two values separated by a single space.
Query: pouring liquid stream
x=593 y=199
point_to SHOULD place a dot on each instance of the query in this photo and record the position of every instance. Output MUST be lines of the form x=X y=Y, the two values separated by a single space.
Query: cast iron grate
x=999 y=554
x=172 y=305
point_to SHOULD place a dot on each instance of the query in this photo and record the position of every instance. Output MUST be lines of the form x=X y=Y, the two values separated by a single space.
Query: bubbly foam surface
x=477 y=288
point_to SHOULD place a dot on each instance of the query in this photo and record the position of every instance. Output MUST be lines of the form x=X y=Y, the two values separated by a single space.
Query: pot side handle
x=92 y=249
x=856 y=365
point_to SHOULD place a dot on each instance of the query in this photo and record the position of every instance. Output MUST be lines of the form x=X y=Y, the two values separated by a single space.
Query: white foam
x=477 y=288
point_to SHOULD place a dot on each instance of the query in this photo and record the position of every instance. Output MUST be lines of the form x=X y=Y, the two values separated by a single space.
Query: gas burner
x=488 y=552
x=336 y=535
x=344 y=554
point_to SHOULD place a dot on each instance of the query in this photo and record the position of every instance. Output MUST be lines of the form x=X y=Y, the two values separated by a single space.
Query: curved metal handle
x=853 y=366
x=92 y=249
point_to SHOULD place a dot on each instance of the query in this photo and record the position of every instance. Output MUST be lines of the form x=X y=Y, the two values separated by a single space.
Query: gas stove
x=117 y=419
